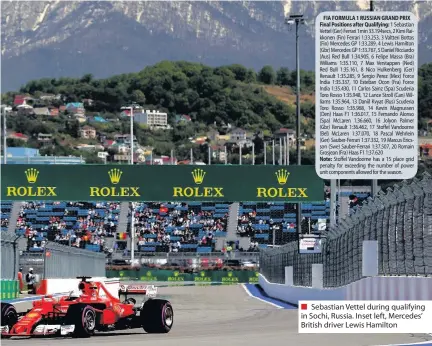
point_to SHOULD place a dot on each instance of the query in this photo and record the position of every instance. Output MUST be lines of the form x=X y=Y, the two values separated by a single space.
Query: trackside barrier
x=374 y=288
x=56 y=286
x=370 y=287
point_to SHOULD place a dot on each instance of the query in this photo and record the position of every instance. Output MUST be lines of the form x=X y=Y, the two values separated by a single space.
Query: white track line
x=262 y=300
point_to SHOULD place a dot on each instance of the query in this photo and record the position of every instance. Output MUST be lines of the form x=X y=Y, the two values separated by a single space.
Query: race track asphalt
x=225 y=315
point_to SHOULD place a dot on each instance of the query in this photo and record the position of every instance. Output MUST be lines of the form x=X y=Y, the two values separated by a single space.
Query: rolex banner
x=161 y=183
x=224 y=277
x=9 y=289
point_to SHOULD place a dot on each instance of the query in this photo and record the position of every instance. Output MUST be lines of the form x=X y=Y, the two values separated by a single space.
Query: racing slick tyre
x=157 y=316
x=83 y=317
x=9 y=317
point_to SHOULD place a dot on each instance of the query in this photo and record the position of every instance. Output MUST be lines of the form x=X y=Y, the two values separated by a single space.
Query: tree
x=283 y=76
x=138 y=97
x=267 y=75
x=72 y=128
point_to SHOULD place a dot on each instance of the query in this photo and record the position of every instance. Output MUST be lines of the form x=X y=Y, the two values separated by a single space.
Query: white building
x=152 y=119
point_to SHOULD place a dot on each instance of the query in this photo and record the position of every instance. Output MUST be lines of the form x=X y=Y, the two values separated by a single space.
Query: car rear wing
x=148 y=290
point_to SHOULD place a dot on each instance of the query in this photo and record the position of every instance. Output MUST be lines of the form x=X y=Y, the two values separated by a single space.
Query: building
x=75 y=107
x=218 y=152
x=161 y=160
x=238 y=134
x=21 y=155
x=21 y=152
x=87 y=132
x=50 y=97
x=283 y=133
x=213 y=135
x=25 y=110
x=425 y=150
x=80 y=117
x=45 y=137
x=182 y=119
x=54 y=112
x=6 y=109
x=124 y=139
x=22 y=100
x=125 y=158
x=153 y=119
x=19 y=136
x=89 y=147
x=41 y=111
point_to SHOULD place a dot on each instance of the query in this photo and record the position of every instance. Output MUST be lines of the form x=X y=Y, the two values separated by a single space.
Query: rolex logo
x=201 y=191
x=282 y=176
x=32 y=175
x=115 y=175
x=198 y=175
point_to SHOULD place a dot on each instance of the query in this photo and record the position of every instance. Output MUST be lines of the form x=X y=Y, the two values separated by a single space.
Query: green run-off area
x=203 y=276
x=161 y=183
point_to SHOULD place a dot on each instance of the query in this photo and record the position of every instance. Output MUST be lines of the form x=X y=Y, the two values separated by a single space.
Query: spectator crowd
x=173 y=227
x=76 y=224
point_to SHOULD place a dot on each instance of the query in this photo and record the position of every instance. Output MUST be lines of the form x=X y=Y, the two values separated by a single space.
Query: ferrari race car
x=92 y=308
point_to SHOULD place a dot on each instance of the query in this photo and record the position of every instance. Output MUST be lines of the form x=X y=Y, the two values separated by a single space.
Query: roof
x=19 y=99
x=22 y=151
x=41 y=111
x=99 y=119
x=180 y=117
x=284 y=130
x=237 y=129
x=184 y=162
x=75 y=105
x=19 y=135
x=109 y=142
x=87 y=128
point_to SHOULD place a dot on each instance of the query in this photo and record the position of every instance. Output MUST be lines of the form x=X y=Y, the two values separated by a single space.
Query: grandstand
x=179 y=227
x=194 y=227
x=86 y=225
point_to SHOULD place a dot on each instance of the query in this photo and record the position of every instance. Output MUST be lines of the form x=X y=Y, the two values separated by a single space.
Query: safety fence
x=62 y=261
x=400 y=219
x=9 y=256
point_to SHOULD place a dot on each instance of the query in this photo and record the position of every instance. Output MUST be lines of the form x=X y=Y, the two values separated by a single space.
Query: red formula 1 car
x=91 y=309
